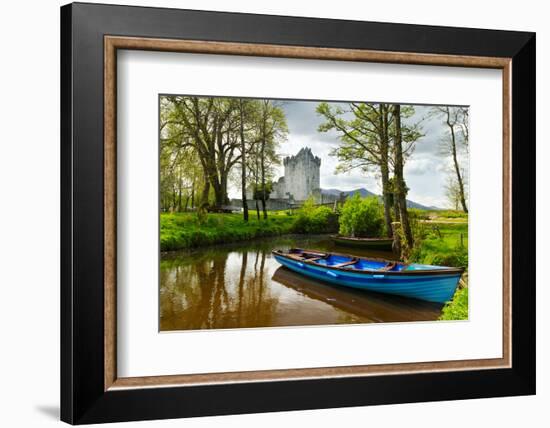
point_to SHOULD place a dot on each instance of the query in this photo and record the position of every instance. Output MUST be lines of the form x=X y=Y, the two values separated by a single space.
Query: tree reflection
x=205 y=291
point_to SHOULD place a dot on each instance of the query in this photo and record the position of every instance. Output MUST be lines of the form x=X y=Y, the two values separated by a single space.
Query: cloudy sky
x=426 y=171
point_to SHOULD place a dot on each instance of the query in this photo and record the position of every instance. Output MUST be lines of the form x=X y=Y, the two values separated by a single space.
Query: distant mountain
x=366 y=193
x=412 y=204
x=335 y=192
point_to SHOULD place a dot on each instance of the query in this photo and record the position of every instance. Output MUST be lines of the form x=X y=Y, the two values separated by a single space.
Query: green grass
x=451 y=214
x=182 y=230
x=457 y=309
x=435 y=215
x=441 y=244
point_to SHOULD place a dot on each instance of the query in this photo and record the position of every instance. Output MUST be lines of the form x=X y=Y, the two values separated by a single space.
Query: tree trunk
x=220 y=191
x=179 y=193
x=218 y=194
x=243 y=164
x=223 y=187
x=205 y=192
x=385 y=171
x=456 y=166
x=257 y=210
x=174 y=199
x=264 y=208
x=193 y=194
x=395 y=204
x=401 y=188
x=386 y=199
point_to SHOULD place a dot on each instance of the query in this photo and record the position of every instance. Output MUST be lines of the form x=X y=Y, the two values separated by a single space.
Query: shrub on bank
x=362 y=217
x=315 y=219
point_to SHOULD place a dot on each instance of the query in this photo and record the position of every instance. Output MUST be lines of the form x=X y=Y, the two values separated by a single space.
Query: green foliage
x=183 y=230
x=258 y=191
x=362 y=217
x=363 y=145
x=315 y=219
x=457 y=309
x=442 y=244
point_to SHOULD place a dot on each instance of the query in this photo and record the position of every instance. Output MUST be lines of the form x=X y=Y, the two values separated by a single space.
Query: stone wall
x=271 y=204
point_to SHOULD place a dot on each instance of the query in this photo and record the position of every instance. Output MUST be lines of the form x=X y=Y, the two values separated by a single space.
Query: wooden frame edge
x=109 y=197
x=301 y=52
x=507 y=212
x=299 y=374
x=112 y=43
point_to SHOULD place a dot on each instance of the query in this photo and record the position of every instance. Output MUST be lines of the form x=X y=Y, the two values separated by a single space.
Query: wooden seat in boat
x=350 y=262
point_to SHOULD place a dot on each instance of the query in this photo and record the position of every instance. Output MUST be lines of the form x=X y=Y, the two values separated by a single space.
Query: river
x=242 y=286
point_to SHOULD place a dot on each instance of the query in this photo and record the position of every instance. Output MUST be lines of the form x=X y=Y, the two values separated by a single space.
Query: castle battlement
x=305 y=155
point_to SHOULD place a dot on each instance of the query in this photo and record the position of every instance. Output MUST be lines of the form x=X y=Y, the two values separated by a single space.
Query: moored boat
x=384 y=244
x=425 y=282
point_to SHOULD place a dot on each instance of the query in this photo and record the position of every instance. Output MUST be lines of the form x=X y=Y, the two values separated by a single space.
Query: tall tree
x=273 y=129
x=399 y=182
x=363 y=129
x=456 y=119
x=243 y=159
x=181 y=174
x=211 y=128
x=452 y=192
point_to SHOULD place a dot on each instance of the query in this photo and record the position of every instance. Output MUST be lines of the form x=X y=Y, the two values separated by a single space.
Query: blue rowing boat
x=425 y=282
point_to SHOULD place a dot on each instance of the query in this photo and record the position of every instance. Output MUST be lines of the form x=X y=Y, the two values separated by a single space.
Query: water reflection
x=373 y=306
x=241 y=286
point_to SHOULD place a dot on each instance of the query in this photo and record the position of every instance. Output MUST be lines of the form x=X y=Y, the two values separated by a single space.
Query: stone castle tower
x=302 y=176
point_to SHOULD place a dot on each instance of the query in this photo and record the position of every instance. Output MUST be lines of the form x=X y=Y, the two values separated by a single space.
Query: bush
x=362 y=217
x=312 y=219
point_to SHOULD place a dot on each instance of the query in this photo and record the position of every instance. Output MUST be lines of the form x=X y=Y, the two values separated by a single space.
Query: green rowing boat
x=384 y=244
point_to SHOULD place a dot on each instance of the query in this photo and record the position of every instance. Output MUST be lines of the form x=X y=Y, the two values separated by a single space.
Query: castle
x=301 y=179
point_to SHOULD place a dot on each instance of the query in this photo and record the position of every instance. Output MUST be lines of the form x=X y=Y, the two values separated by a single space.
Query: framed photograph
x=265 y=213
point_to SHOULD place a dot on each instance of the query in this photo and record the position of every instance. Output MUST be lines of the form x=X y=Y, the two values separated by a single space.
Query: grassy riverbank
x=180 y=231
x=183 y=230
x=444 y=244
x=442 y=239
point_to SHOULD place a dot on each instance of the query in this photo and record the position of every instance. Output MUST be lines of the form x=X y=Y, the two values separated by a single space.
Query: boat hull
x=371 y=243
x=438 y=288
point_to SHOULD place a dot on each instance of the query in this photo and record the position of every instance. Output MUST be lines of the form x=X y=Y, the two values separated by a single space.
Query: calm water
x=241 y=285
